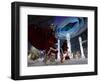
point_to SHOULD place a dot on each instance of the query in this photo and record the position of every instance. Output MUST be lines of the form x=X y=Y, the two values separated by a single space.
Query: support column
x=58 y=55
x=68 y=42
x=69 y=45
x=81 y=48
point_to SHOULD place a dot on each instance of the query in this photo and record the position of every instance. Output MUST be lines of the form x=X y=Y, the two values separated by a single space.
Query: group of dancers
x=51 y=51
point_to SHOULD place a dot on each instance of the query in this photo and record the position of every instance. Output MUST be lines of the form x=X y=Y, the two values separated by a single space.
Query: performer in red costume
x=51 y=51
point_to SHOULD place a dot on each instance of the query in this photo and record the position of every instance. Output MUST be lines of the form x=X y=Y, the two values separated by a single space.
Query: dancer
x=65 y=55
